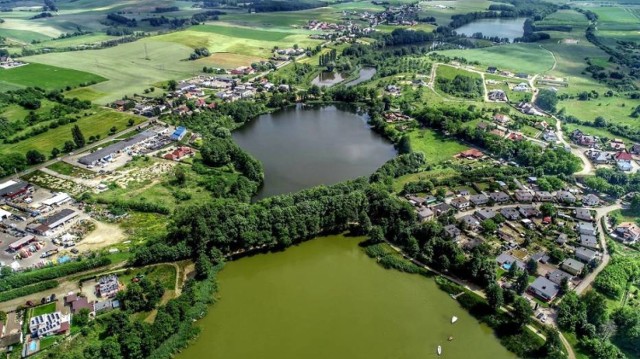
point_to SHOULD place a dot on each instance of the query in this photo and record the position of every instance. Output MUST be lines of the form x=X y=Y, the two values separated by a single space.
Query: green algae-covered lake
x=326 y=299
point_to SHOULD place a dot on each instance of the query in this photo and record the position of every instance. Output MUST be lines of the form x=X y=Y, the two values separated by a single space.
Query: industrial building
x=107 y=153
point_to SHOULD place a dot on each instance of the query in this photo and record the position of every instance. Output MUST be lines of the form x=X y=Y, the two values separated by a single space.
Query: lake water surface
x=326 y=299
x=501 y=27
x=303 y=147
x=328 y=79
x=365 y=74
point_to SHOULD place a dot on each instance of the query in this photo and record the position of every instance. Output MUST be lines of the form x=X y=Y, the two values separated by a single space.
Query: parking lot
x=27 y=213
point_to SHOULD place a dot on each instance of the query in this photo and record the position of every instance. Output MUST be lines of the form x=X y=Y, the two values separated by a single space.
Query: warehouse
x=12 y=190
x=60 y=218
x=15 y=246
x=106 y=154
x=58 y=199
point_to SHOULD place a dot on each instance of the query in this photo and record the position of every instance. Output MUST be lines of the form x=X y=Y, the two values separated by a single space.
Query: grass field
x=565 y=17
x=67 y=169
x=15 y=112
x=84 y=93
x=97 y=123
x=527 y=58
x=165 y=273
x=435 y=146
x=613 y=109
x=43 y=309
x=47 y=77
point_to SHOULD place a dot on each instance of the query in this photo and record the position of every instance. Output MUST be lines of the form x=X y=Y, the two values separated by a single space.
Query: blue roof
x=180 y=130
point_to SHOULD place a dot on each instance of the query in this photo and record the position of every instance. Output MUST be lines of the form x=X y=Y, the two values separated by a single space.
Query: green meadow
x=98 y=122
x=514 y=57
x=46 y=77
x=436 y=147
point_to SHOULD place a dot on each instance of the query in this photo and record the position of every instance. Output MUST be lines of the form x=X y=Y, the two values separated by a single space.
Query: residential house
x=558 y=275
x=471 y=222
x=629 y=232
x=583 y=214
x=544 y=289
x=591 y=200
x=501 y=119
x=510 y=213
x=506 y=260
x=515 y=136
x=497 y=132
x=523 y=196
x=415 y=200
x=550 y=136
x=484 y=214
x=106 y=305
x=441 y=208
x=565 y=197
x=522 y=75
x=452 y=231
x=521 y=87
x=635 y=149
x=617 y=145
x=179 y=153
x=623 y=161
x=544 y=196
x=460 y=203
x=562 y=239
x=483 y=126
x=589 y=241
x=599 y=157
x=586 y=255
x=497 y=95
x=479 y=199
x=499 y=197
x=572 y=266
x=425 y=214
x=471 y=154
x=108 y=286
x=81 y=303
x=586 y=228
x=528 y=211
x=492 y=69
x=49 y=324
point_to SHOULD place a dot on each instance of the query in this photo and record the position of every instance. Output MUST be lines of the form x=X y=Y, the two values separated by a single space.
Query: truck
x=49 y=253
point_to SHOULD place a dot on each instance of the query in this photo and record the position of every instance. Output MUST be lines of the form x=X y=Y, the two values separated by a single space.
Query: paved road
x=587 y=167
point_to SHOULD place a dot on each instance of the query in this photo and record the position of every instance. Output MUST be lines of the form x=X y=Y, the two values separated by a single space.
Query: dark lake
x=509 y=28
x=302 y=147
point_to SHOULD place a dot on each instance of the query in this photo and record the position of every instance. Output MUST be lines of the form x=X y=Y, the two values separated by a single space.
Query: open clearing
x=46 y=77
x=104 y=235
x=435 y=146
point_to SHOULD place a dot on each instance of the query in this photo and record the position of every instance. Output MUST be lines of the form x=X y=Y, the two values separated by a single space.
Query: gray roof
x=583 y=213
x=116 y=147
x=557 y=275
x=13 y=188
x=574 y=264
x=485 y=213
x=545 y=287
x=586 y=227
x=562 y=238
x=499 y=196
x=49 y=221
x=510 y=212
x=470 y=220
x=585 y=254
x=479 y=198
x=589 y=241
x=425 y=212
x=452 y=231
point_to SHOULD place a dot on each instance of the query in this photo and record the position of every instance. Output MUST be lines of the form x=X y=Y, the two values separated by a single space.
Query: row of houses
x=622 y=159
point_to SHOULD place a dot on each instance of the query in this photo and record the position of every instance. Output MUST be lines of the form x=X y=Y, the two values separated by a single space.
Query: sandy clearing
x=104 y=235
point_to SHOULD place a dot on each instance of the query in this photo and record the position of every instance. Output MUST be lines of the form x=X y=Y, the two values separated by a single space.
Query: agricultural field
x=443 y=10
x=45 y=76
x=527 y=58
x=98 y=122
x=617 y=17
x=565 y=17
x=126 y=66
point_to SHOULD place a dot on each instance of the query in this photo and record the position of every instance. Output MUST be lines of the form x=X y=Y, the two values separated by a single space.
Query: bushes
x=147 y=207
x=26 y=278
x=21 y=292
x=613 y=280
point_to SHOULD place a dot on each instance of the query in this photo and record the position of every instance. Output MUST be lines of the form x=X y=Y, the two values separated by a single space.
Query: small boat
x=450 y=338
x=439 y=350
x=454 y=319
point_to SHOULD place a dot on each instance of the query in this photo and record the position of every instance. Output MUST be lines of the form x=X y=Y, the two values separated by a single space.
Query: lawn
x=439 y=174
x=527 y=58
x=47 y=77
x=98 y=122
x=43 y=309
x=436 y=147
x=15 y=112
x=84 y=93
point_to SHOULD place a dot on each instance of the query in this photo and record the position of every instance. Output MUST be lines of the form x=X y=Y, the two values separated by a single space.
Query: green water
x=327 y=299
